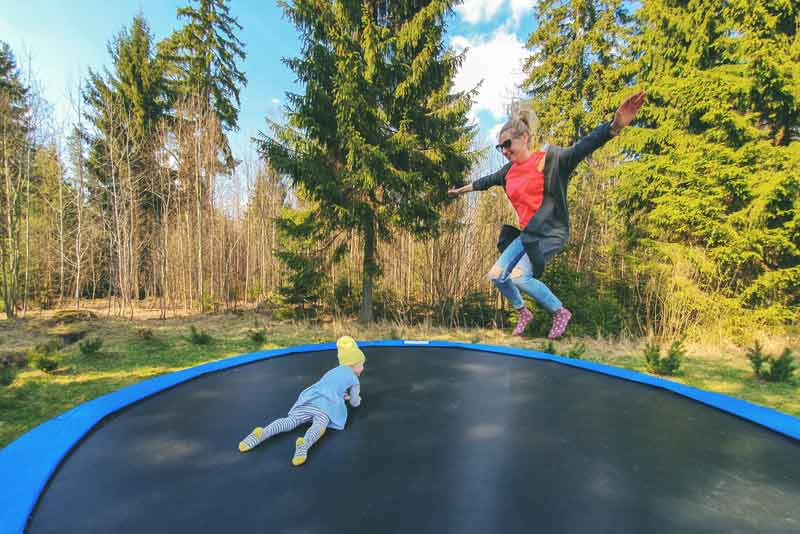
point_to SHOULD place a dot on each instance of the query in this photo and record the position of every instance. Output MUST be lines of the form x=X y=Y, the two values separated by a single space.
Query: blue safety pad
x=27 y=463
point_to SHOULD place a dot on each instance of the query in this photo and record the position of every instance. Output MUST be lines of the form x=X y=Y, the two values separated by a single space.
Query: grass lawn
x=145 y=346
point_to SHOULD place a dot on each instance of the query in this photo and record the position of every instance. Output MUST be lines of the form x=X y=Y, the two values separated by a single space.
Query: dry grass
x=145 y=346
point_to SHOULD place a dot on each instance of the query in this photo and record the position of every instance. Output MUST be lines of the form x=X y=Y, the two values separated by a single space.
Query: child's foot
x=560 y=319
x=524 y=316
x=300 y=452
x=253 y=439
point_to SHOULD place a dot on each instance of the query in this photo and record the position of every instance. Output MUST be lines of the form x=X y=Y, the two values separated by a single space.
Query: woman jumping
x=536 y=186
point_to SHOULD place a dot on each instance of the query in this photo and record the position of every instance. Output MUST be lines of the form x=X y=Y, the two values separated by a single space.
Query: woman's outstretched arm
x=484 y=183
x=455 y=191
x=569 y=158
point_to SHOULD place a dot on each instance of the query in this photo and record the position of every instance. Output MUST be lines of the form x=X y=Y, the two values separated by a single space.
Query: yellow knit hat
x=349 y=353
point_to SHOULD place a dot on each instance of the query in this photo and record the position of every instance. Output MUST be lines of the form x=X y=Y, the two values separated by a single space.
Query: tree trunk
x=9 y=250
x=369 y=273
x=61 y=250
x=27 y=229
x=79 y=234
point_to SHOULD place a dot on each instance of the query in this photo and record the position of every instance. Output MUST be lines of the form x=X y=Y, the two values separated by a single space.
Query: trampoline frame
x=29 y=462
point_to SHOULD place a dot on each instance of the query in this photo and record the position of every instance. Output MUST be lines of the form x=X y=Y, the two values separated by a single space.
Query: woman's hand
x=627 y=111
x=455 y=191
x=346 y=397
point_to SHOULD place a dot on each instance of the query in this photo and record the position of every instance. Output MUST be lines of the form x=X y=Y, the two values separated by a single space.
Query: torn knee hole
x=495 y=273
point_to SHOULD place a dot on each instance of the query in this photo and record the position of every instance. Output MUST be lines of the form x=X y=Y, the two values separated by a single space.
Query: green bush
x=670 y=364
x=259 y=337
x=577 y=352
x=254 y=293
x=783 y=367
x=267 y=306
x=7 y=375
x=765 y=366
x=90 y=346
x=548 y=348
x=652 y=355
x=145 y=334
x=47 y=348
x=476 y=309
x=595 y=309
x=208 y=304
x=346 y=299
x=198 y=337
x=675 y=357
x=42 y=351
x=14 y=359
x=394 y=334
x=757 y=359
x=47 y=364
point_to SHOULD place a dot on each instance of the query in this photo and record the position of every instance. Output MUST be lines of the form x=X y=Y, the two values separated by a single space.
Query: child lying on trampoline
x=322 y=404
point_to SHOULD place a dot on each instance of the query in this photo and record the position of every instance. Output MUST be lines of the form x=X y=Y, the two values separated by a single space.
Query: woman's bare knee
x=494 y=273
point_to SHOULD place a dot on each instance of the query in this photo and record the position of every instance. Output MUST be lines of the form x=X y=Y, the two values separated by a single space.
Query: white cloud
x=276 y=101
x=495 y=131
x=520 y=8
x=497 y=60
x=476 y=11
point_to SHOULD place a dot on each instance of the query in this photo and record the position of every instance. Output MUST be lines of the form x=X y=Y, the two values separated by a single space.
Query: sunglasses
x=504 y=145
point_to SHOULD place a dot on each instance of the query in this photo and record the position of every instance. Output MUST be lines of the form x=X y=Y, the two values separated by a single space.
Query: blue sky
x=64 y=38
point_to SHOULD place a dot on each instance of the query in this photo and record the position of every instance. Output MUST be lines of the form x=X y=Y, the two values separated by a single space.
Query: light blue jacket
x=328 y=395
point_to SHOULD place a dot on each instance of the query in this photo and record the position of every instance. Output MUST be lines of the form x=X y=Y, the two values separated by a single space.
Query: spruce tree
x=378 y=136
x=125 y=105
x=577 y=75
x=577 y=65
x=203 y=56
x=713 y=179
x=305 y=264
x=138 y=76
x=128 y=100
x=15 y=151
x=13 y=93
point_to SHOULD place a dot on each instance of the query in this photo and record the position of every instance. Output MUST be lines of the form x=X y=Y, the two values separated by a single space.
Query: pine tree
x=139 y=76
x=15 y=157
x=577 y=74
x=577 y=64
x=771 y=45
x=128 y=101
x=713 y=180
x=378 y=135
x=125 y=105
x=305 y=265
x=202 y=57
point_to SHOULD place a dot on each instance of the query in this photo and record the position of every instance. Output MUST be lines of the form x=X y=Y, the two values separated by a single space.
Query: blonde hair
x=523 y=121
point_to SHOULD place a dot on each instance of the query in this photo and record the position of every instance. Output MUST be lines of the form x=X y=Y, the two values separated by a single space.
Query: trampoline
x=450 y=438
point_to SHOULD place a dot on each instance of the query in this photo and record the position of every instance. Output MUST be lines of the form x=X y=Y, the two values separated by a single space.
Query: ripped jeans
x=513 y=272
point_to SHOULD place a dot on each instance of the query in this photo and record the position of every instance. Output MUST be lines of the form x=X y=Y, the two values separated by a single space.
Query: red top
x=525 y=187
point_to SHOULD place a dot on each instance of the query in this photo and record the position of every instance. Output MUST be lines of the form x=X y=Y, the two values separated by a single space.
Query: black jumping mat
x=446 y=440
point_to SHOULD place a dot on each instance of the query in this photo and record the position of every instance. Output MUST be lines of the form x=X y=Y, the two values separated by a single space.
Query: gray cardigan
x=548 y=231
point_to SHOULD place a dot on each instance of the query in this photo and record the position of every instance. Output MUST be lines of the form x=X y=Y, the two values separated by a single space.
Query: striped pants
x=298 y=416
